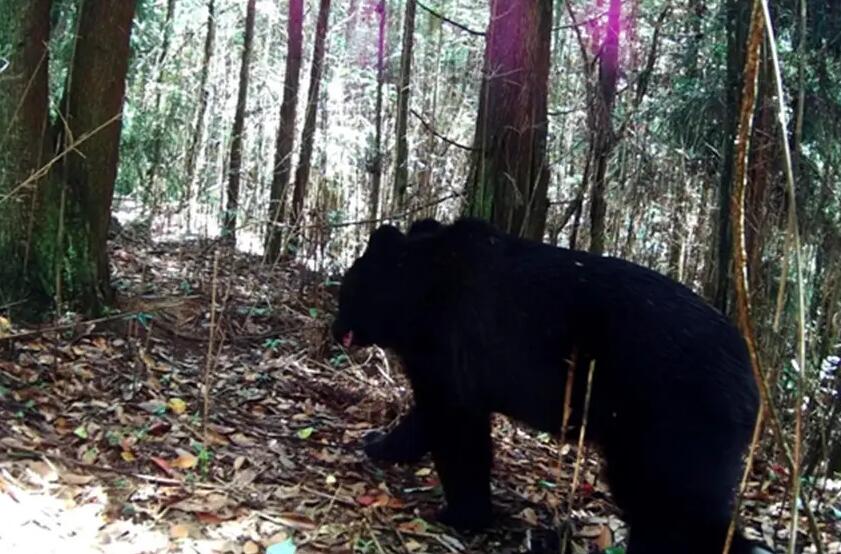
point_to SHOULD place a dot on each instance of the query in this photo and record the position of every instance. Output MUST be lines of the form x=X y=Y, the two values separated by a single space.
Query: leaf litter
x=103 y=446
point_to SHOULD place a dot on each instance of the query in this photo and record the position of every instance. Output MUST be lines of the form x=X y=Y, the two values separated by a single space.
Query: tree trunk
x=160 y=120
x=286 y=131
x=229 y=222
x=204 y=100
x=426 y=175
x=508 y=177
x=75 y=208
x=302 y=173
x=25 y=27
x=603 y=132
x=738 y=17
x=401 y=168
x=376 y=162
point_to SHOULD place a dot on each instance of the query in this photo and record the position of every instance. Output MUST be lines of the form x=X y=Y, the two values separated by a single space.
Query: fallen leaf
x=529 y=516
x=153 y=407
x=163 y=465
x=127 y=456
x=76 y=479
x=177 y=406
x=209 y=518
x=366 y=500
x=184 y=461
x=417 y=525
x=241 y=440
x=305 y=433
x=179 y=531
x=5 y=327
x=605 y=538
x=297 y=521
x=45 y=471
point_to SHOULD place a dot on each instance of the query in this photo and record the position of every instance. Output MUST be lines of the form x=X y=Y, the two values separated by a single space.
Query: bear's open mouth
x=347 y=339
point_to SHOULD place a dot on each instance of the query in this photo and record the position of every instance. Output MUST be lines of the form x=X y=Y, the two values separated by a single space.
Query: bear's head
x=371 y=295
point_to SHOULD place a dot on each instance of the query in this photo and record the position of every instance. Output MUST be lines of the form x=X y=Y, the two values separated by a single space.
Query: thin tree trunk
x=286 y=130
x=427 y=175
x=204 y=100
x=302 y=173
x=603 y=133
x=25 y=27
x=738 y=16
x=161 y=120
x=401 y=168
x=509 y=178
x=376 y=164
x=229 y=222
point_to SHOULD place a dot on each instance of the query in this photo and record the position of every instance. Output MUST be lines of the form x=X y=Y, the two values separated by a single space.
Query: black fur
x=485 y=322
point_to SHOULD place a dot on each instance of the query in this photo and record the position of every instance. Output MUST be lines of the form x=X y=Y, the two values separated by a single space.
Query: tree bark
x=508 y=177
x=160 y=120
x=229 y=224
x=603 y=134
x=375 y=165
x=286 y=130
x=738 y=17
x=25 y=27
x=204 y=100
x=74 y=212
x=401 y=168
x=302 y=173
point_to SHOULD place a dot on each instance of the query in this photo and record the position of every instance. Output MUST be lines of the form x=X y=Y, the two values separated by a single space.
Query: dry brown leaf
x=179 y=531
x=605 y=538
x=76 y=479
x=184 y=461
x=529 y=516
x=240 y=439
x=297 y=521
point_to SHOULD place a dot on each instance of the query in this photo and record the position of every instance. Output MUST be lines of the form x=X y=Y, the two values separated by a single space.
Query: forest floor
x=103 y=445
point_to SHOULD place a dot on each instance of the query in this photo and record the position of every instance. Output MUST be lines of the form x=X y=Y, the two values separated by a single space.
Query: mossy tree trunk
x=24 y=34
x=70 y=258
x=509 y=177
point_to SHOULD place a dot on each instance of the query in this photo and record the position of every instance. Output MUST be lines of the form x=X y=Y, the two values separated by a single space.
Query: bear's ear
x=387 y=239
x=425 y=227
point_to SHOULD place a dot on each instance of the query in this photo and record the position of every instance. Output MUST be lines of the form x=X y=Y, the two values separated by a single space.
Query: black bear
x=485 y=323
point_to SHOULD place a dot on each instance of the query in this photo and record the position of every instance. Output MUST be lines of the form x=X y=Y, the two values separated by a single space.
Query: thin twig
x=446 y=19
x=798 y=266
x=38 y=174
x=209 y=362
x=64 y=327
x=442 y=137
x=579 y=453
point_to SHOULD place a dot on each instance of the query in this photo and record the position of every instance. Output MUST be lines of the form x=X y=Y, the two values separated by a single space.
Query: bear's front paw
x=467 y=518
